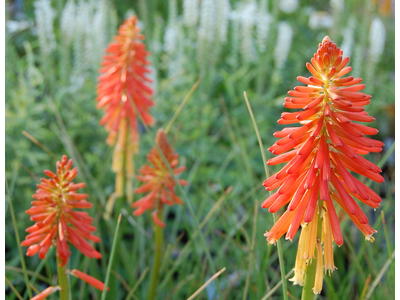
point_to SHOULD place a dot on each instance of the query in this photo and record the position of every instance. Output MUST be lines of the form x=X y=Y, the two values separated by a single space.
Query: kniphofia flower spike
x=320 y=156
x=123 y=90
x=56 y=220
x=157 y=179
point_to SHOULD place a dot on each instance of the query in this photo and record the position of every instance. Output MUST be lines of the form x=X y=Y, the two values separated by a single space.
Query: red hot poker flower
x=123 y=77
x=158 y=181
x=320 y=156
x=56 y=220
x=123 y=82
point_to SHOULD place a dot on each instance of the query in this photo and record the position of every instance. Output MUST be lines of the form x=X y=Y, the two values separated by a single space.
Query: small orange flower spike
x=320 y=155
x=123 y=90
x=158 y=181
x=56 y=220
x=47 y=292
x=88 y=279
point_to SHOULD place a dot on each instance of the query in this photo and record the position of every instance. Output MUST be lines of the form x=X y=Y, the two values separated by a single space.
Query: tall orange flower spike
x=56 y=220
x=320 y=156
x=158 y=181
x=123 y=90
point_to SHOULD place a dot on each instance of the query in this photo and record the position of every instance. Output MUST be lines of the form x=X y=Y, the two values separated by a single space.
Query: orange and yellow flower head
x=123 y=83
x=321 y=158
x=57 y=221
x=157 y=180
x=124 y=92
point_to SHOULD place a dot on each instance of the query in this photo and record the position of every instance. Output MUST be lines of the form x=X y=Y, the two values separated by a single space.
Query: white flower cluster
x=171 y=32
x=320 y=20
x=223 y=10
x=248 y=21
x=206 y=30
x=14 y=27
x=348 y=37
x=102 y=22
x=263 y=23
x=377 y=36
x=190 y=12
x=206 y=33
x=358 y=60
x=88 y=26
x=44 y=16
x=337 y=5
x=67 y=22
x=282 y=46
x=173 y=40
x=288 y=6
x=82 y=41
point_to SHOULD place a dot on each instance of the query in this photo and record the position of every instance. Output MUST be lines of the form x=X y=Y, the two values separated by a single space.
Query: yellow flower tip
x=330 y=270
x=316 y=292
x=301 y=262
x=272 y=241
x=289 y=239
x=298 y=278
x=111 y=138
x=319 y=275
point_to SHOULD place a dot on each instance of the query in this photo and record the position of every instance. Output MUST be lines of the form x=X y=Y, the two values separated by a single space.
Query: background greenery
x=52 y=58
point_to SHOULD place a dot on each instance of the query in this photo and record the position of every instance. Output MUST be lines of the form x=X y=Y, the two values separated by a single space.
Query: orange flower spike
x=327 y=146
x=123 y=79
x=56 y=221
x=123 y=91
x=320 y=156
x=157 y=180
x=88 y=279
x=47 y=292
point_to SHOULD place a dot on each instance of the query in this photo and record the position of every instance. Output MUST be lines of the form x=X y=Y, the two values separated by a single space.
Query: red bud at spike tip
x=324 y=151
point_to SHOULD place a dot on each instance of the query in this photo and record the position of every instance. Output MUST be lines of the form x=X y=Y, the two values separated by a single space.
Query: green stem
x=62 y=281
x=110 y=260
x=158 y=235
x=281 y=264
x=278 y=243
x=21 y=255
x=308 y=293
x=309 y=281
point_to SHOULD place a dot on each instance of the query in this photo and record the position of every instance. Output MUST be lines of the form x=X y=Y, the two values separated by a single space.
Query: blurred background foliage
x=53 y=52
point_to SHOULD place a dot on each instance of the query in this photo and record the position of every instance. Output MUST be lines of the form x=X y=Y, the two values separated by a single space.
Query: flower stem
x=308 y=293
x=278 y=243
x=309 y=281
x=62 y=281
x=158 y=235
